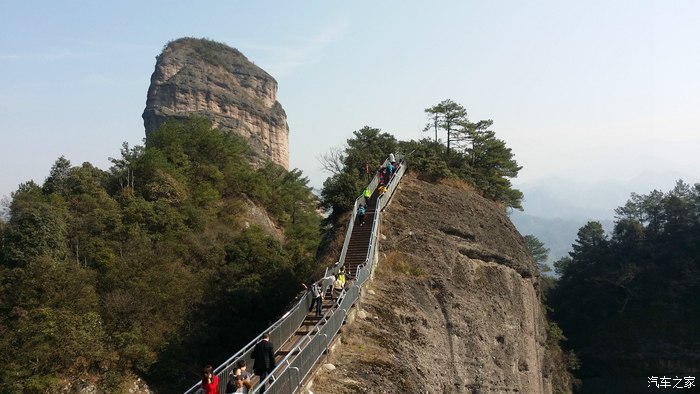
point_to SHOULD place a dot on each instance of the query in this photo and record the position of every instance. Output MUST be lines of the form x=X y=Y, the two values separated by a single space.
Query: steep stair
x=360 y=237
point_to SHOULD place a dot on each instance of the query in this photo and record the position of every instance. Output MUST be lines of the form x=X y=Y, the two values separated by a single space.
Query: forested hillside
x=629 y=303
x=182 y=252
x=150 y=268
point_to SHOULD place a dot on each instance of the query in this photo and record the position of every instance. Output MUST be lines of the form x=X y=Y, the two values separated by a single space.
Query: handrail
x=280 y=380
x=373 y=184
x=328 y=317
x=230 y=364
x=283 y=382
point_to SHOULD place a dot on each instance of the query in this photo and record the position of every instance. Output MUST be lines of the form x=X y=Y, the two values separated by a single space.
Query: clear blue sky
x=592 y=90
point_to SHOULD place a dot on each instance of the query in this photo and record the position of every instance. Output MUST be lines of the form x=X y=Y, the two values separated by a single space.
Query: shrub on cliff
x=354 y=167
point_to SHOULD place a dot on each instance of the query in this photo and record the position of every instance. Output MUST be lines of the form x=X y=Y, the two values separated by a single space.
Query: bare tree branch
x=332 y=161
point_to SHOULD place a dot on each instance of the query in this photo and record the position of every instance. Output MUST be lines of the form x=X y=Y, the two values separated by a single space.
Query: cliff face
x=453 y=307
x=206 y=78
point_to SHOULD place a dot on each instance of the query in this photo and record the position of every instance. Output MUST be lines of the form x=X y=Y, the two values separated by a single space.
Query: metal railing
x=373 y=184
x=393 y=182
x=292 y=374
x=279 y=332
x=293 y=369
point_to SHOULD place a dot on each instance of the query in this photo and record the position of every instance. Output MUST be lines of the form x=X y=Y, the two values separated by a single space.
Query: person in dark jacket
x=264 y=358
x=361 y=211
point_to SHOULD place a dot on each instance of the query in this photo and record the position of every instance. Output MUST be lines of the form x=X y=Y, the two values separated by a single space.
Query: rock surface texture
x=454 y=306
x=205 y=78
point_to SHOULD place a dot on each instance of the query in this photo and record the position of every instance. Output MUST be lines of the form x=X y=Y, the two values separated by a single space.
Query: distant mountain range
x=556 y=207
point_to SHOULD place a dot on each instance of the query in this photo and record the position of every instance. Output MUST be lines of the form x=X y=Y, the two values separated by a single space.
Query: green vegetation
x=560 y=364
x=165 y=263
x=538 y=252
x=151 y=267
x=368 y=149
x=216 y=54
x=628 y=303
x=473 y=154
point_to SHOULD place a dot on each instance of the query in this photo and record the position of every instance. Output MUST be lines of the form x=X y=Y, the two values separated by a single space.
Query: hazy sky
x=592 y=90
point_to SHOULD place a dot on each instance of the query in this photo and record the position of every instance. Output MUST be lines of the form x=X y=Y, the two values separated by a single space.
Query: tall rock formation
x=206 y=78
x=453 y=307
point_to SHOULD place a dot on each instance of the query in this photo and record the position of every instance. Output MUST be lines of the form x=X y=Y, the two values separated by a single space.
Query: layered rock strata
x=205 y=78
x=453 y=307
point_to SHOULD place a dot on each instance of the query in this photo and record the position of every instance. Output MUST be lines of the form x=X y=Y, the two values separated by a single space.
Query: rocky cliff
x=453 y=307
x=205 y=78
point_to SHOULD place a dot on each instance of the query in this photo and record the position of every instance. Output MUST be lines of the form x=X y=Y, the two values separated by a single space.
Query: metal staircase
x=300 y=338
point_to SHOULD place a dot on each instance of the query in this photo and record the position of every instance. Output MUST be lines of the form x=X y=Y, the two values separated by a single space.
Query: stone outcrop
x=205 y=78
x=453 y=307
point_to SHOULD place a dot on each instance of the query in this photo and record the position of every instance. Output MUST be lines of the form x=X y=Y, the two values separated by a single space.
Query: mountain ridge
x=454 y=305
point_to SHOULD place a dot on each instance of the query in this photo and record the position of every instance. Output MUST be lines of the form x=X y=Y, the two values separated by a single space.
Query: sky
x=589 y=91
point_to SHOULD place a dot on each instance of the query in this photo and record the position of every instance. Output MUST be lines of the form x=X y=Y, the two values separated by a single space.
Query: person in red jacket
x=210 y=382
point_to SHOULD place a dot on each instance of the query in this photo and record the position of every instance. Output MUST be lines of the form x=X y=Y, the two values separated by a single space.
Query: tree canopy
x=538 y=251
x=359 y=160
x=448 y=116
x=628 y=301
x=148 y=267
x=472 y=153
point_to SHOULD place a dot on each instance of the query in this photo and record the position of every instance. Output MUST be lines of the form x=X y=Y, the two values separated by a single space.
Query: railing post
x=331 y=322
x=298 y=381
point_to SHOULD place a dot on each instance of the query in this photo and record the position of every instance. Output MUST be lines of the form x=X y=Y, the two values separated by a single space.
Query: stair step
x=286 y=352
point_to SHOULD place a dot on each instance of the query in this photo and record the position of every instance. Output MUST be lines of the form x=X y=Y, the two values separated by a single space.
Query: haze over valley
x=554 y=208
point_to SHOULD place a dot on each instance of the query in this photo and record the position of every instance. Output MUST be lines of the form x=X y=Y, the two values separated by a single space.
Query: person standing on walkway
x=361 y=215
x=264 y=358
x=338 y=286
x=342 y=276
x=244 y=371
x=327 y=283
x=316 y=298
x=210 y=382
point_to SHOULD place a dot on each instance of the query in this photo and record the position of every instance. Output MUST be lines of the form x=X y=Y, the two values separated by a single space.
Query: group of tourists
x=263 y=353
x=385 y=173
x=388 y=171
x=335 y=284
x=240 y=378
